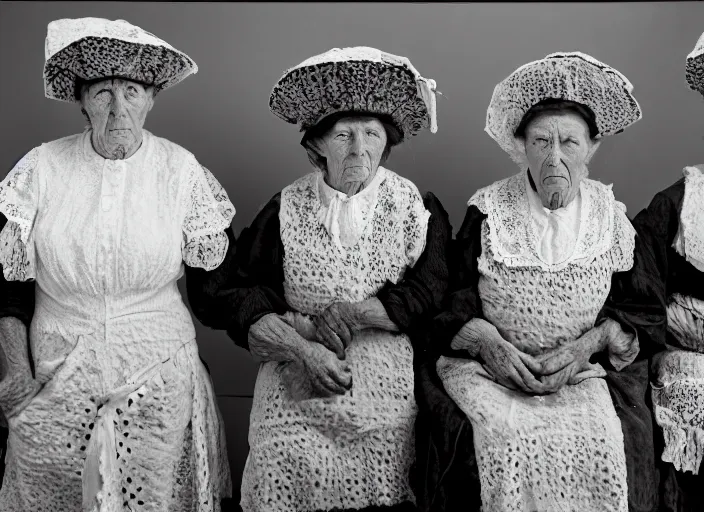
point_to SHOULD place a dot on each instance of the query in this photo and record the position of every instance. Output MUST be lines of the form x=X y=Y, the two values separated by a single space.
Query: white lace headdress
x=356 y=79
x=572 y=76
x=91 y=48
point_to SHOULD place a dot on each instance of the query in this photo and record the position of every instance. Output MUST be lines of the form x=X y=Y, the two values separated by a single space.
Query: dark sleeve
x=16 y=297
x=463 y=302
x=248 y=284
x=421 y=291
x=637 y=301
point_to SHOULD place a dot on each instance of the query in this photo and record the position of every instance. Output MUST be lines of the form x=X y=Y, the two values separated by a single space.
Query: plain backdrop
x=221 y=113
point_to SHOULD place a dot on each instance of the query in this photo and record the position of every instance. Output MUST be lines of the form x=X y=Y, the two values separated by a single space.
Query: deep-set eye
x=373 y=133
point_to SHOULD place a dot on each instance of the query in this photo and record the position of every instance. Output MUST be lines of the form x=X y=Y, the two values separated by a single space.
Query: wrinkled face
x=353 y=149
x=558 y=148
x=117 y=109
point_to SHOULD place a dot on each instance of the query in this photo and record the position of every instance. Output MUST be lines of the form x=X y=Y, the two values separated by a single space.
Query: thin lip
x=555 y=176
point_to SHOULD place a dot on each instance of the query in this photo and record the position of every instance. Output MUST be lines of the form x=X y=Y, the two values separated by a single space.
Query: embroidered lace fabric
x=355 y=450
x=555 y=230
x=572 y=76
x=359 y=78
x=563 y=451
x=678 y=393
x=91 y=48
x=515 y=241
x=345 y=217
x=108 y=239
x=689 y=241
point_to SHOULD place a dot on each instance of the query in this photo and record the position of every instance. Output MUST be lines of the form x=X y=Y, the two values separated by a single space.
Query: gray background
x=221 y=114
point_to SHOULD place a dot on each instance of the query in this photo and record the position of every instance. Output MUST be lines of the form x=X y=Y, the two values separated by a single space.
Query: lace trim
x=210 y=212
x=690 y=238
x=603 y=226
x=17 y=262
x=393 y=238
x=678 y=400
x=18 y=203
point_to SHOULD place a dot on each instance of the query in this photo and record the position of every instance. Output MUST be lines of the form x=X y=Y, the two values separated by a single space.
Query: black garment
x=657 y=225
x=447 y=476
x=250 y=282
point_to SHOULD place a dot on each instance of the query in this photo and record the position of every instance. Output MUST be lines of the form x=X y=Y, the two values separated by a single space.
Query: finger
x=331 y=384
x=554 y=382
x=331 y=340
x=528 y=360
x=335 y=320
x=555 y=362
x=531 y=384
x=342 y=377
x=513 y=375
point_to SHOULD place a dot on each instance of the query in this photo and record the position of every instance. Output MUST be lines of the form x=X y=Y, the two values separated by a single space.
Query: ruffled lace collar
x=515 y=242
x=344 y=217
x=689 y=241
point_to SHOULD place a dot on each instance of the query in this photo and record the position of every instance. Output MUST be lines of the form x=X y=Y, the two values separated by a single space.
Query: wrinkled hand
x=561 y=365
x=509 y=366
x=336 y=326
x=15 y=392
x=17 y=386
x=328 y=375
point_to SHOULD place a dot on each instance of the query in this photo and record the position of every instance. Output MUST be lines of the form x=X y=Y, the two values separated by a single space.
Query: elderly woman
x=672 y=226
x=327 y=283
x=527 y=332
x=120 y=411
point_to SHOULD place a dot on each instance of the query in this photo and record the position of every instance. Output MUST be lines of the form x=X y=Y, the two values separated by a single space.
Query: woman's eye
x=341 y=136
x=571 y=142
x=372 y=133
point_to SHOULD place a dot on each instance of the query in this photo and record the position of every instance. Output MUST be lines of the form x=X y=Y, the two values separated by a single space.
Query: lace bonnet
x=92 y=48
x=572 y=76
x=356 y=79
x=694 y=69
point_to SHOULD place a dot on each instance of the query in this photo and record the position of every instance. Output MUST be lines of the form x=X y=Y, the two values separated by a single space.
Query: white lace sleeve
x=624 y=239
x=209 y=213
x=18 y=202
x=415 y=227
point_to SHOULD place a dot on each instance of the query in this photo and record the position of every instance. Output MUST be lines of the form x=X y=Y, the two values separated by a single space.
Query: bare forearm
x=14 y=356
x=473 y=334
x=272 y=339
x=373 y=315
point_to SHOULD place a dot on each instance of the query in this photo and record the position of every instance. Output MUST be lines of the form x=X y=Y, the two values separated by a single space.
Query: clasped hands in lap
x=314 y=347
x=536 y=375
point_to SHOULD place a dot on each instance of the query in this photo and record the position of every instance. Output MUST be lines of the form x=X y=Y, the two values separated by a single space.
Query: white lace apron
x=354 y=450
x=562 y=451
x=126 y=418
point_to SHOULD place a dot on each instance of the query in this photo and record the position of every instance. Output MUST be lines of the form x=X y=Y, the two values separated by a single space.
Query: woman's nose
x=554 y=155
x=356 y=145
x=117 y=106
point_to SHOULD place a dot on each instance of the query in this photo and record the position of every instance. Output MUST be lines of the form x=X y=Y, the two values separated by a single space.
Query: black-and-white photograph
x=351 y=257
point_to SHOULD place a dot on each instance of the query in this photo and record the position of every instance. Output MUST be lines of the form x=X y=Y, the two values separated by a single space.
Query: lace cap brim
x=572 y=76
x=367 y=82
x=694 y=67
x=99 y=57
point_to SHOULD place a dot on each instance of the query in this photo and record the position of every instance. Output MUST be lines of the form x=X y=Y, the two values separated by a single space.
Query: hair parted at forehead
x=558 y=105
x=394 y=136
